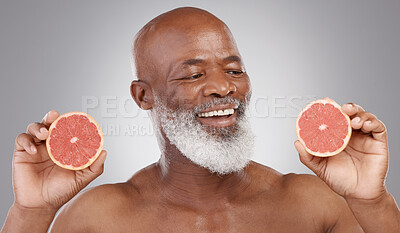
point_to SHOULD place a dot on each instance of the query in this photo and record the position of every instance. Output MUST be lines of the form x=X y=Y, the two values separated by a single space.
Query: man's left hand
x=359 y=171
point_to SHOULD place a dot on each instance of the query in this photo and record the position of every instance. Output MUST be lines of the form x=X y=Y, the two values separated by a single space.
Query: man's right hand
x=37 y=181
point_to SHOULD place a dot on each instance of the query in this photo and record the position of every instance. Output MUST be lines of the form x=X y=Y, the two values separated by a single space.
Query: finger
x=25 y=142
x=376 y=128
x=314 y=163
x=358 y=120
x=98 y=166
x=352 y=109
x=38 y=131
x=90 y=173
x=50 y=117
x=96 y=169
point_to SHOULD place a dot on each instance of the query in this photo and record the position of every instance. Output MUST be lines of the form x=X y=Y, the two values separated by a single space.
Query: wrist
x=28 y=211
x=378 y=200
x=379 y=214
x=22 y=219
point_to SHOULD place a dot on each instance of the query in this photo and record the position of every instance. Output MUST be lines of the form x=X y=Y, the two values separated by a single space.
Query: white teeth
x=217 y=113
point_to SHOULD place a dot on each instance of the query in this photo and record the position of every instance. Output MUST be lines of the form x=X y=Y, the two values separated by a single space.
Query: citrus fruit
x=75 y=140
x=323 y=128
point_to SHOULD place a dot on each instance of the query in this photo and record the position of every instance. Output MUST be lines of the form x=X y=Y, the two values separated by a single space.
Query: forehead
x=172 y=45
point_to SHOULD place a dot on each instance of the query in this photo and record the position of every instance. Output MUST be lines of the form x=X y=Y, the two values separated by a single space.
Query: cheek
x=187 y=95
x=243 y=86
x=184 y=95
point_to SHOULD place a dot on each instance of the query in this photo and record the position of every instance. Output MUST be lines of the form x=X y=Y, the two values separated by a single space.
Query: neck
x=186 y=183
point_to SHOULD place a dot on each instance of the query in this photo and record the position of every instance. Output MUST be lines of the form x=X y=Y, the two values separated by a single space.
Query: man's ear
x=142 y=94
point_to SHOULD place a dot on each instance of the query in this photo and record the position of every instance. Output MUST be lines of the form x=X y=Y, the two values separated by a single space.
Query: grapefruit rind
x=345 y=140
x=91 y=161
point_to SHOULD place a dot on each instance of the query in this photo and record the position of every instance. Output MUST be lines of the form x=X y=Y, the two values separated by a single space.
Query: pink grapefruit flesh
x=75 y=141
x=323 y=128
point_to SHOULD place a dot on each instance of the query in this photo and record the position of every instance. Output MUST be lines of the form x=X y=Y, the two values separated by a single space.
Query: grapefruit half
x=75 y=141
x=323 y=128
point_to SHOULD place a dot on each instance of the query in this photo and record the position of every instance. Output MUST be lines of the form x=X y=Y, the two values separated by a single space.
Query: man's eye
x=196 y=76
x=235 y=72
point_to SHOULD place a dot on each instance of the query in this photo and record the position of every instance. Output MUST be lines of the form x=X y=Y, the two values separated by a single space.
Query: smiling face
x=189 y=57
x=204 y=68
x=195 y=73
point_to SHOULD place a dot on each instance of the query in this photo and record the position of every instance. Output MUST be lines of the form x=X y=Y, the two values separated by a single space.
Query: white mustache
x=226 y=100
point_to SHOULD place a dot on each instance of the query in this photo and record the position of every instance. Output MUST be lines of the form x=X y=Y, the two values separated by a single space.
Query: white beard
x=220 y=150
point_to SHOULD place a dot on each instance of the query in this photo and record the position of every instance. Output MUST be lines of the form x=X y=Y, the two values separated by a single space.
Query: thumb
x=92 y=172
x=96 y=169
x=98 y=166
x=314 y=163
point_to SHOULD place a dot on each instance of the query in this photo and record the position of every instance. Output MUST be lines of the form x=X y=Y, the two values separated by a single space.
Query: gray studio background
x=74 y=56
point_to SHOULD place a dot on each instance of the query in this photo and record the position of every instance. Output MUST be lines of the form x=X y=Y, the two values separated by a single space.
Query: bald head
x=187 y=61
x=154 y=42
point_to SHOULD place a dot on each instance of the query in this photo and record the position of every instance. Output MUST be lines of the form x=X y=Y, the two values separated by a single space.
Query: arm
x=20 y=219
x=78 y=211
x=345 y=220
x=383 y=210
x=40 y=186
x=95 y=210
x=329 y=211
x=358 y=173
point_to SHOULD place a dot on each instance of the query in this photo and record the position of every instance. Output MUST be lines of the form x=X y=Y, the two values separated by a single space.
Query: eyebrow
x=233 y=59
x=195 y=61
x=191 y=62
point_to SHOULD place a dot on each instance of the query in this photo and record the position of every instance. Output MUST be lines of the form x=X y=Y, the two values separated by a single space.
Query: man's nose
x=219 y=85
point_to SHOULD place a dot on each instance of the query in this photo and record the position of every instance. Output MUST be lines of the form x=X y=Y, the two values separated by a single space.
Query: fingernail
x=33 y=148
x=356 y=120
x=43 y=130
x=368 y=122
x=349 y=105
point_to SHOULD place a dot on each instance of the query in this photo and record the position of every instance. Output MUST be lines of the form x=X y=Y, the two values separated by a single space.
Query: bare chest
x=254 y=218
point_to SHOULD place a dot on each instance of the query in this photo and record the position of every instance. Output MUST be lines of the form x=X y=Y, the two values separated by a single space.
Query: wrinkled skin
x=188 y=57
x=180 y=196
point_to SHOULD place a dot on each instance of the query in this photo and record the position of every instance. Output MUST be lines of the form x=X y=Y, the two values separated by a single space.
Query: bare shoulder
x=301 y=185
x=313 y=191
x=303 y=197
x=92 y=206
x=307 y=184
x=264 y=176
x=315 y=196
x=98 y=208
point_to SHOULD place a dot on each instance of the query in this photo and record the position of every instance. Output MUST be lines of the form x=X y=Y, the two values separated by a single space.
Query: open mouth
x=218 y=116
x=219 y=113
